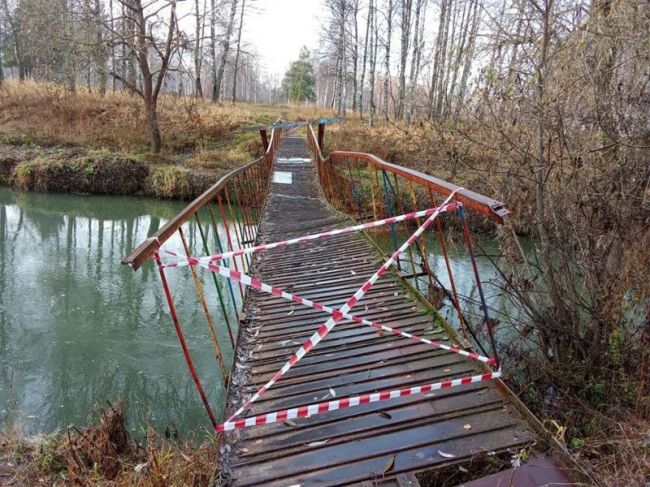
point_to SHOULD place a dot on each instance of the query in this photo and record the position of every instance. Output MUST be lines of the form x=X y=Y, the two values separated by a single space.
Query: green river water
x=78 y=329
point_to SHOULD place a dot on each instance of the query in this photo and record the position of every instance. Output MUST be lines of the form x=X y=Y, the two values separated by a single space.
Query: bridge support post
x=265 y=139
x=321 y=134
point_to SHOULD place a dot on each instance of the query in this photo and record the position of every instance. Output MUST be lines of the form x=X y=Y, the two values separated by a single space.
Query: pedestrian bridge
x=344 y=372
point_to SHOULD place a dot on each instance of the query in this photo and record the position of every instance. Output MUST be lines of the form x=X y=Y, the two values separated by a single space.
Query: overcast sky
x=277 y=29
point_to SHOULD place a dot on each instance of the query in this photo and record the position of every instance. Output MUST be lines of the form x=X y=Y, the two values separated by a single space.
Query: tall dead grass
x=44 y=114
x=104 y=454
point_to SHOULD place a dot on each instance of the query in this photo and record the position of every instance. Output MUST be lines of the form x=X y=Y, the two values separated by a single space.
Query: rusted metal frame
x=253 y=207
x=181 y=339
x=217 y=239
x=147 y=248
x=372 y=194
x=224 y=311
x=390 y=212
x=237 y=226
x=486 y=314
x=265 y=139
x=400 y=204
x=488 y=206
x=241 y=199
x=321 y=134
x=229 y=238
x=443 y=246
x=367 y=210
x=382 y=209
x=354 y=193
x=206 y=311
x=423 y=240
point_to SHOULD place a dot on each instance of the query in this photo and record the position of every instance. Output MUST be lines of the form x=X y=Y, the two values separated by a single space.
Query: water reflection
x=76 y=327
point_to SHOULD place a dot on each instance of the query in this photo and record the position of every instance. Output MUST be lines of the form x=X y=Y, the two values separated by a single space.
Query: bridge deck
x=369 y=442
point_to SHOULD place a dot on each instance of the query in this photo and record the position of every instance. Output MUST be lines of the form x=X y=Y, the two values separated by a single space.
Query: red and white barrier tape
x=257 y=284
x=326 y=327
x=348 y=402
x=308 y=238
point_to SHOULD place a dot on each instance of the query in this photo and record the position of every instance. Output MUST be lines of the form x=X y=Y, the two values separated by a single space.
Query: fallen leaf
x=462 y=469
x=445 y=455
x=291 y=312
x=389 y=464
x=467 y=427
x=244 y=450
x=353 y=273
x=317 y=443
x=447 y=370
x=290 y=423
x=332 y=392
x=385 y=415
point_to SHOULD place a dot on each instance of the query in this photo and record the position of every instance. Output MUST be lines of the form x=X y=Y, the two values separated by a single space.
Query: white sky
x=277 y=29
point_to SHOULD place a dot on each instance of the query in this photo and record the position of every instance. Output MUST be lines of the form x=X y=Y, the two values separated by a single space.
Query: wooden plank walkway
x=370 y=442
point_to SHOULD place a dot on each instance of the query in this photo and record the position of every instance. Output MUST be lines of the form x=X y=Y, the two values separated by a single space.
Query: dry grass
x=43 y=114
x=105 y=455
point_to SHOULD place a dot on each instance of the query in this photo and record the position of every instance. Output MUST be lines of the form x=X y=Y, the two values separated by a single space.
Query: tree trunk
x=2 y=73
x=155 y=138
x=213 y=47
x=416 y=59
x=372 y=108
x=438 y=56
x=469 y=57
x=216 y=90
x=448 y=47
x=355 y=54
x=405 y=27
x=365 y=58
x=197 y=51
x=113 y=56
x=18 y=51
x=100 y=58
x=389 y=32
x=236 y=66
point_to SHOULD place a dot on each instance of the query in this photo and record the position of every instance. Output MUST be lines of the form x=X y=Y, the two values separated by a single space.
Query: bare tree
x=216 y=89
x=365 y=58
x=355 y=51
x=387 y=80
x=236 y=63
x=416 y=58
x=374 y=42
x=198 y=51
x=2 y=75
x=153 y=36
x=406 y=8
x=18 y=47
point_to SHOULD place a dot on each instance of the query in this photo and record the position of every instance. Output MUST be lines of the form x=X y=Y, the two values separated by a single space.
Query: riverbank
x=54 y=142
x=105 y=454
x=78 y=170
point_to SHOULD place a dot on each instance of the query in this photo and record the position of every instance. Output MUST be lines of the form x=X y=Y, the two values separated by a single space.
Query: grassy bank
x=105 y=454
x=85 y=143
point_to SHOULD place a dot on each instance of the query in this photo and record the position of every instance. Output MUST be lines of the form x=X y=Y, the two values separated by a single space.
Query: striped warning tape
x=326 y=327
x=307 y=238
x=257 y=284
x=348 y=402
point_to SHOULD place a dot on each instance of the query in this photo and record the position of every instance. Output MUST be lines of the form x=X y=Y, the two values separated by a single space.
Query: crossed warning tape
x=308 y=238
x=209 y=262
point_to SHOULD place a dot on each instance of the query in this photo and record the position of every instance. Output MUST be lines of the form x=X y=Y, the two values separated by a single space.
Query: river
x=78 y=329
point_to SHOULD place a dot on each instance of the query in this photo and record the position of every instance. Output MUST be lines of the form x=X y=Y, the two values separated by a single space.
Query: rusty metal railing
x=227 y=216
x=368 y=188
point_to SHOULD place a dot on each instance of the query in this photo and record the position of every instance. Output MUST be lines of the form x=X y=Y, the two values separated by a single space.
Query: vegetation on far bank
x=54 y=141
